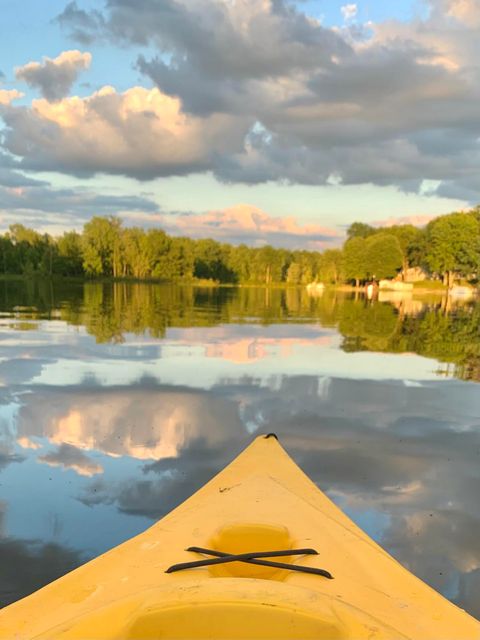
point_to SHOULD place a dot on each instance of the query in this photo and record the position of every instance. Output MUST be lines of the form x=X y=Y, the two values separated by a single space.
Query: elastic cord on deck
x=252 y=557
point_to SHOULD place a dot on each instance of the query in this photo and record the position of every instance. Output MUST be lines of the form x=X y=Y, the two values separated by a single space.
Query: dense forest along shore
x=446 y=250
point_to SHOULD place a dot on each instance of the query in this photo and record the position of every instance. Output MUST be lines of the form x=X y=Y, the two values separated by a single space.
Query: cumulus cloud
x=11 y=177
x=55 y=76
x=140 y=132
x=235 y=30
x=391 y=104
x=108 y=421
x=9 y=95
x=70 y=457
x=450 y=33
x=440 y=546
x=465 y=11
x=416 y=220
x=75 y=202
x=16 y=180
x=7 y=457
x=169 y=481
x=27 y=443
x=84 y=25
x=248 y=224
x=349 y=11
x=53 y=210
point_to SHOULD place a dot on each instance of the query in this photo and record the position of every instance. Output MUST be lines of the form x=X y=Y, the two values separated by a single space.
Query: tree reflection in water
x=435 y=327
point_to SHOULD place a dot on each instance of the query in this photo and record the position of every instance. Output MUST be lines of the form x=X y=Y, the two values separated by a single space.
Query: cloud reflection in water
x=406 y=453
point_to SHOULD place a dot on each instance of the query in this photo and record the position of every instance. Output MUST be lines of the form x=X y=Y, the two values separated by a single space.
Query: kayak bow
x=258 y=552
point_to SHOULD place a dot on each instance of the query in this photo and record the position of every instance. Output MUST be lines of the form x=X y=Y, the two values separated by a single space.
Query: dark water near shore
x=118 y=401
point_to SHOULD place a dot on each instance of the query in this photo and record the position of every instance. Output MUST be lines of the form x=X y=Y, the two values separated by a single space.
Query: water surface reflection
x=103 y=431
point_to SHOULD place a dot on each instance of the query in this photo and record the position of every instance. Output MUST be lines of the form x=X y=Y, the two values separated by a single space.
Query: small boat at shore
x=258 y=552
x=461 y=292
x=395 y=285
x=315 y=288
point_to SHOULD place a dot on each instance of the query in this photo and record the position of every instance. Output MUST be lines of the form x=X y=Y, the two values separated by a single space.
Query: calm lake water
x=118 y=401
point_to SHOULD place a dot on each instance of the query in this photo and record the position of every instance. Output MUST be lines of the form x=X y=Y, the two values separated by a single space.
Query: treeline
x=106 y=249
x=448 y=246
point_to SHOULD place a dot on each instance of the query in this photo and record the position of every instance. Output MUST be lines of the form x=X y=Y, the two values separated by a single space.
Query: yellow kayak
x=258 y=552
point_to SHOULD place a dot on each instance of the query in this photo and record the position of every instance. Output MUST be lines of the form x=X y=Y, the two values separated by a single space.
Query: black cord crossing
x=253 y=557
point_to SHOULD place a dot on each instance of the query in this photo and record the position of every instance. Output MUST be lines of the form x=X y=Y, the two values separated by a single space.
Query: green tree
x=383 y=256
x=181 y=256
x=35 y=252
x=69 y=261
x=239 y=263
x=157 y=249
x=101 y=246
x=355 y=259
x=268 y=265
x=19 y=233
x=8 y=256
x=294 y=273
x=411 y=240
x=212 y=261
x=308 y=266
x=360 y=230
x=453 y=245
x=332 y=266
x=476 y=212
x=135 y=256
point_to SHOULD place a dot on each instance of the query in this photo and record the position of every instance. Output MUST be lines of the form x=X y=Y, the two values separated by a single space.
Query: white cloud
x=55 y=76
x=349 y=11
x=466 y=11
x=248 y=224
x=9 y=95
x=141 y=132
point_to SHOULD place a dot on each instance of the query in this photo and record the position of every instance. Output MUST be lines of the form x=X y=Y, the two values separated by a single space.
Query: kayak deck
x=262 y=502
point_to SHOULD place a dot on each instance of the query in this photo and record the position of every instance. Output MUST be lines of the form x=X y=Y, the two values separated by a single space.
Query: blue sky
x=377 y=10
x=353 y=111
x=33 y=33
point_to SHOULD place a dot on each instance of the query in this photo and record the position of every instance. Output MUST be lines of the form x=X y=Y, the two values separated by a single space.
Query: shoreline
x=432 y=287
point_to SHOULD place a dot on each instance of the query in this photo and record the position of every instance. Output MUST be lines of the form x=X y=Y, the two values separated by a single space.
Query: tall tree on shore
x=69 y=259
x=268 y=264
x=332 y=266
x=212 y=261
x=101 y=246
x=354 y=259
x=181 y=257
x=294 y=273
x=157 y=248
x=240 y=262
x=453 y=245
x=135 y=256
x=34 y=251
x=412 y=241
x=383 y=256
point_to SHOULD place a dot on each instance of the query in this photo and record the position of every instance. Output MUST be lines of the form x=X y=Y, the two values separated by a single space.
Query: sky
x=252 y=121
